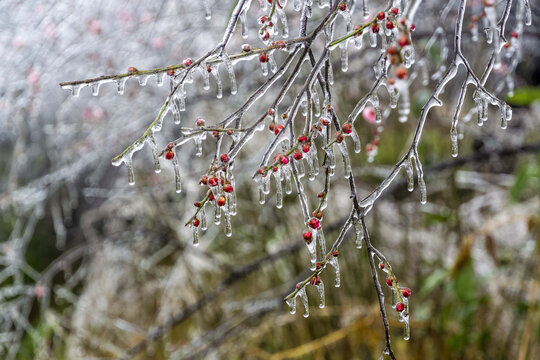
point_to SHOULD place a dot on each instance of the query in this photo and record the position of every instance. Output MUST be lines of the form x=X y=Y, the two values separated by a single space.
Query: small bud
x=320 y=195
x=406 y=292
x=200 y=122
x=221 y=200
x=169 y=155
x=318 y=265
x=302 y=138
x=204 y=180
x=343 y=6
x=262 y=19
x=394 y=11
x=170 y=72
x=266 y=36
x=197 y=204
x=317 y=214
x=298 y=286
x=306 y=148
x=213 y=181
x=412 y=27
x=375 y=142
x=271 y=112
x=229 y=132
x=275 y=168
x=347 y=128
x=339 y=138
x=246 y=48
x=325 y=122
x=224 y=158
x=281 y=44
x=400 y=307
x=284 y=160
x=297 y=155
x=375 y=28
x=369 y=147
x=132 y=70
x=211 y=197
x=401 y=73
x=271 y=127
x=278 y=129
x=335 y=253
x=389 y=281
x=263 y=57
x=170 y=146
x=380 y=15
x=308 y=236
x=187 y=61
x=381 y=265
x=314 y=223
x=514 y=34
x=389 y=25
x=196 y=222
x=404 y=41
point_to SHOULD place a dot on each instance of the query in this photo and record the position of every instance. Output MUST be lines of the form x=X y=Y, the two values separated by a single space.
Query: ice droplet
x=291 y=302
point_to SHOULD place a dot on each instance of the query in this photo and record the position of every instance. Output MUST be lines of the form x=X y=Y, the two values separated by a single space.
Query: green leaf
x=524 y=96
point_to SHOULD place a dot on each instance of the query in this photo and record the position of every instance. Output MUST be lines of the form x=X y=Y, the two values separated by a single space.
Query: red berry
x=401 y=73
x=317 y=214
x=200 y=122
x=132 y=70
x=389 y=281
x=306 y=148
x=325 y=122
x=400 y=307
x=375 y=28
x=339 y=138
x=196 y=222
x=392 y=50
x=381 y=265
x=275 y=168
x=260 y=171
x=246 y=47
x=224 y=158
x=266 y=36
x=281 y=44
x=347 y=128
x=342 y=6
x=404 y=41
x=406 y=292
x=314 y=223
x=271 y=127
x=211 y=197
x=278 y=129
x=389 y=25
x=204 y=180
x=395 y=11
x=262 y=19
x=169 y=155
x=263 y=57
x=298 y=286
x=318 y=265
x=308 y=236
x=302 y=138
x=284 y=160
x=375 y=142
x=229 y=132
x=271 y=112
x=335 y=253
x=297 y=155
x=380 y=15
x=507 y=45
x=170 y=146
x=320 y=195
x=197 y=204
x=228 y=188
x=270 y=24
x=213 y=181
x=208 y=68
x=412 y=27
x=221 y=201
x=187 y=61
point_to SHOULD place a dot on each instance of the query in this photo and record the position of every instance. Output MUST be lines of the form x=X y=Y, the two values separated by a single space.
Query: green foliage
x=524 y=96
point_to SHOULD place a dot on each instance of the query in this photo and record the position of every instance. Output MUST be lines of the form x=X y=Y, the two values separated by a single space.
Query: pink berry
x=308 y=236
x=306 y=148
x=213 y=181
x=224 y=158
x=228 y=188
x=406 y=292
x=263 y=57
x=170 y=146
x=347 y=128
x=132 y=70
x=394 y=11
x=302 y=138
x=284 y=160
x=200 y=122
x=187 y=61
x=246 y=47
x=297 y=155
x=380 y=15
x=314 y=223
x=400 y=307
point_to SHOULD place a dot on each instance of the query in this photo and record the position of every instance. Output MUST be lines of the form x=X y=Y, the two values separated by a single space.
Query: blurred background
x=90 y=265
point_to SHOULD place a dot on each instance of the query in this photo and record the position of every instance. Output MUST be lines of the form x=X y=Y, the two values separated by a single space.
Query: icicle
x=279 y=189
x=407 y=53
x=422 y=188
x=272 y=62
x=300 y=169
x=406 y=329
x=304 y=298
x=320 y=289
x=365 y=8
x=159 y=79
x=312 y=249
x=321 y=240
x=372 y=39
x=356 y=140
x=95 y=88
x=155 y=152
x=177 y=178
x=358 y=40
x=474 y=32
x=175 y=110
x=198 y=143
x=528 y=13
x=207 y=12
x=346 y=161
x=217 y=214
x=283 y=19
x=264 y=68
x=228 y=226
x=205 y=74
x=263 y=4
x=404 y=102
x=230 y=70
x=215 y=73
x=344 y=56
x=131 y=174
x=330 y=74
x=292 y=301
x=266 y=183
x=243 y=20
x=297 y=4
x=121 y=84
x=454 y=139
x=359 y=230
x=410 y=174
x=202 y=215
x=334 y=262
x=195 y=230
x=288 y=181
x=316 y=102
x=393 y=92
x=323 y=3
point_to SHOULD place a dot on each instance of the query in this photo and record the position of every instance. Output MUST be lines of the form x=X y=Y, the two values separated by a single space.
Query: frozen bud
x=392 y=50
x=343 y=6
x=314 y=223
x=271 y=127
x=187 y=61
x=271 y=112
x=262 y=19
x=381 y=15
x=302 y=138
x=412 y=27
x=284 y=160
x=263 y=57
x=347 y=128
x=320 y=195
x=200 y=122
x=211 y=197
x=394 y=11
x=228 y=188
x=213 y=181
x=317 y=214
x=170 y=146
x=278 y=128
x=389 y=281
x=246 y=47
x=391 y=81
x=132 y=70
x=297 y=155
x=221 y=200
x=298 y=286
x=308 y=236
x=224 y=158
x=400 y=307
x=266 y=36
x=339 y=138
x=404 y=41
x=204 y=180
x=514 y=34
x=170 y=72
x=306 y=148
x=375 y=28
x=381 y=265
x=389 y=25
x=169 y=155
x=281 y=44
x=325 y=122
x=401 y=73
x=335 y=253
x=406 y=292
x=196 y=222
x=275 y=168
x=318 y=265
x=369 y=147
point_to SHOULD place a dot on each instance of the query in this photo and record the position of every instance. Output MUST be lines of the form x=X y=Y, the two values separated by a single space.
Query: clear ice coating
x=230 y=71
x=215 y=74
x=359 y=231
x=320 y=290
x=335 y=264
x=177 y=178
